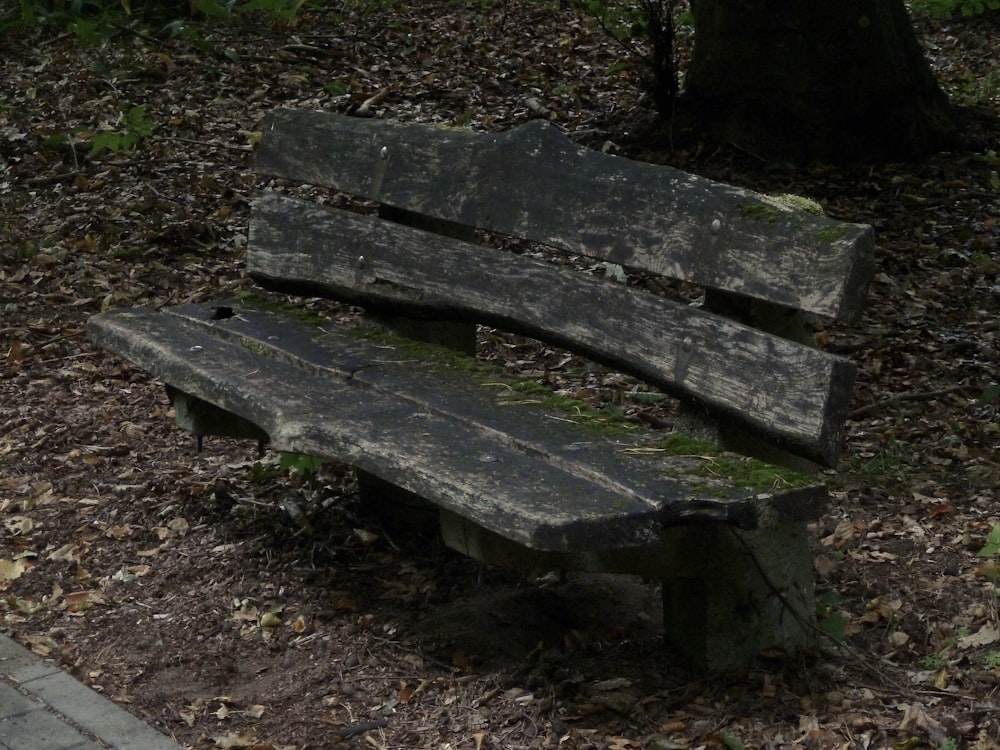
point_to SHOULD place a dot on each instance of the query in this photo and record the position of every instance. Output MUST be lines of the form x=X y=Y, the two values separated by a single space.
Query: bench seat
x=475 y=449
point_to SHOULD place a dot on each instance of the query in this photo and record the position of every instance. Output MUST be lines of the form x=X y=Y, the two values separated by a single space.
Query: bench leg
x=729 y=595
x=459 y=336
x=393 y=507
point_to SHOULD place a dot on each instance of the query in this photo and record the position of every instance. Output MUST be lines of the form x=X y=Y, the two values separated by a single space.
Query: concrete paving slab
x=44 y=708
x=26 y=725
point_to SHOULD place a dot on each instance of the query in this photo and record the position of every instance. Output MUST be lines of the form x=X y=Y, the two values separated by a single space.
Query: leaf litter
x=179 y=584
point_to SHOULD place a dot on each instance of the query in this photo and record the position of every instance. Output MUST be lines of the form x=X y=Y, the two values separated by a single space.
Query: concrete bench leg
x=728 y=595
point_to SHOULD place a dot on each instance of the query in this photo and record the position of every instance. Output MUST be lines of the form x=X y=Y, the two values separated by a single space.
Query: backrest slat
x=779 y=387
x=533 y=183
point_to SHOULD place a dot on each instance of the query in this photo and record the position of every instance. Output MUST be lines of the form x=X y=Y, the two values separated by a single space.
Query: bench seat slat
x=532 y=182
x=349 y=401
x=776 y=386
x=552 y=437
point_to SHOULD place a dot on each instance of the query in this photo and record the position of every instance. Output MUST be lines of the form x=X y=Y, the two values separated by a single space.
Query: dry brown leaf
x=824 y=565
x=235 y=739
x=71 y=553
x=78 y=602
x=15 y=356
x=120 y=532
x=987 y=634
x=11 y=570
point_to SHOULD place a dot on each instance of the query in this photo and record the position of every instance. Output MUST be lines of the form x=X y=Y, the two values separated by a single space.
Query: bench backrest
x=533 y=183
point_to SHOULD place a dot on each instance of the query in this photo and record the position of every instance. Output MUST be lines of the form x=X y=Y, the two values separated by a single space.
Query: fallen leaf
x=824 y=565
x=366 y=537
x=15 y=355
x=941 y=509
x=344 y=603
x=941 y=679
x=917 y=721
x=234 y=739
x=42 y=645
x=270 y=620
x=72 y=553
x=19 y=525
x=178 y=525
x=11 y=570
x=987 y=634
x=120 y=532
x=79 y=601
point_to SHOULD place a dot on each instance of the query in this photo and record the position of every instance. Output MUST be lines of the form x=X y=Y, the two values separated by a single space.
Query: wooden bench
x=519 y=477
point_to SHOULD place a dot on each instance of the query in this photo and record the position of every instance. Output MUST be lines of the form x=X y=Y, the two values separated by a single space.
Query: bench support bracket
x=728 y=595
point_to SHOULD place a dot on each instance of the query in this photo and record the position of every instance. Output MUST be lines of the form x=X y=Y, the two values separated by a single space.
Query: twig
x=309 y=49
x=629 y=48
x=139 y=34
x=906 y=396
x=365 y=110
x=213 y=143
x=367 y=726
x=50 y=179
x=865 y=663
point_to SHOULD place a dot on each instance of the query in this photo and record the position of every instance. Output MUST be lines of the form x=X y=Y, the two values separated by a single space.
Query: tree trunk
x=809 y=80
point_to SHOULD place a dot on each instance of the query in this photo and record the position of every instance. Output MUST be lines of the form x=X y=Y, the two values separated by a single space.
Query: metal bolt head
x=716 y=226
x=383 y=152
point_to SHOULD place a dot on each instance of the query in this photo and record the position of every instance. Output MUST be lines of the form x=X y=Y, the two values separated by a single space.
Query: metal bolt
x=384 y=152
x=716 y=226
x=361 y=261
x=687 y=344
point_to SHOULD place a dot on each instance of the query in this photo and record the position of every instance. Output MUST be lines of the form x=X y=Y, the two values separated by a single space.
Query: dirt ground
x=233 y=603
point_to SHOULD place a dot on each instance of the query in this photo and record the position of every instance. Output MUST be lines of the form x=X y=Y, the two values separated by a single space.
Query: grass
x=894 y=460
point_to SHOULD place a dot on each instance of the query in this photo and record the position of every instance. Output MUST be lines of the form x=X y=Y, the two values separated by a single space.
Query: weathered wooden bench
x=537 y=484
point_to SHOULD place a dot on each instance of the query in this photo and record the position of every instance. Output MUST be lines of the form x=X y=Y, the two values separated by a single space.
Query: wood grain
x=532 y=182
x=539 y=481
x=793 y=392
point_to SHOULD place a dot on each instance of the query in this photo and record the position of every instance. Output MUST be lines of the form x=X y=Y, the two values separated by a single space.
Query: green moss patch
x=715 y=463
x=708 y=461
x=264 y=303
x=832 y=234
x=760 y=212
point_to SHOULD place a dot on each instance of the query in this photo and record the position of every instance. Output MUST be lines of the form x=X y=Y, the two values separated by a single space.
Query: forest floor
x=180 y=584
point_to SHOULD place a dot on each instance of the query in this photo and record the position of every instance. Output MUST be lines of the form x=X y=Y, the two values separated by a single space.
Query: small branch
x=365 y=110
x=138 y=34
x=50 y=179
x=899 y=398
x=310 y=50
x=367 y=726
x=211 y=144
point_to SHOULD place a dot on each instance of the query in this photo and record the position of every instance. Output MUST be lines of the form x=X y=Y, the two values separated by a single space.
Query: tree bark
x=804 y=80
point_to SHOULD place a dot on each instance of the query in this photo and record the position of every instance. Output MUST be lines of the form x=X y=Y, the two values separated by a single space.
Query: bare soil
x=233 y=603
